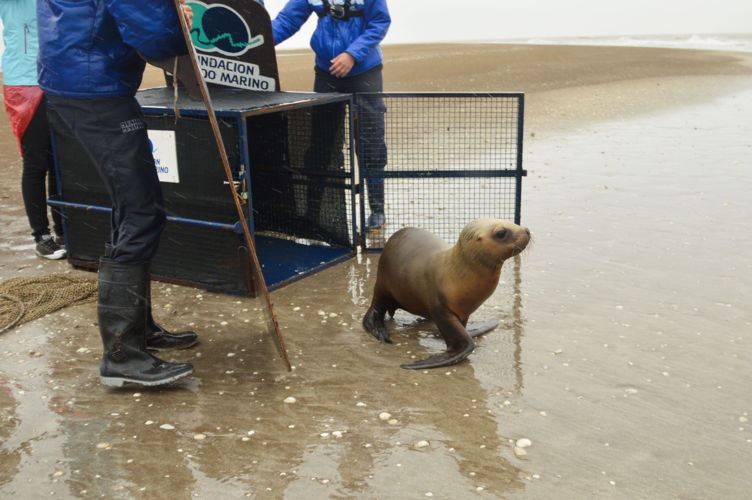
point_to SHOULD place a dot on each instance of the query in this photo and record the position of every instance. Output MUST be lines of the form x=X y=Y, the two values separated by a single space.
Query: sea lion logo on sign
x=220 y=29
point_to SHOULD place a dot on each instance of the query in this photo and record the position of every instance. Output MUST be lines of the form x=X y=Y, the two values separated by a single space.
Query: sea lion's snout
x=525 y=236
x=523 y=240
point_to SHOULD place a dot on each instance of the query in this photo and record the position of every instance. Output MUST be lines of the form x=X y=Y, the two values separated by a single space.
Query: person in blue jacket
x=27 y=110
x=348 y=59
x=91 y=61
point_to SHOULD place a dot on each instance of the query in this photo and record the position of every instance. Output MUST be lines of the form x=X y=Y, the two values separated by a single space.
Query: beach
x=623 y=353
x=565 y=85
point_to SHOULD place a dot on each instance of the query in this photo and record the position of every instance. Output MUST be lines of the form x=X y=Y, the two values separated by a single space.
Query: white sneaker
x=48 y=249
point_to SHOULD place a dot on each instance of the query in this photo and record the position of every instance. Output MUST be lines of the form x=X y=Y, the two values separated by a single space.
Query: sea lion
x=422 y=274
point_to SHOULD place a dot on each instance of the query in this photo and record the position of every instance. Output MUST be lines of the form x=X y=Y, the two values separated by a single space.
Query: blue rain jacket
x=358 y=36
x=90 y=48
x=20 y=39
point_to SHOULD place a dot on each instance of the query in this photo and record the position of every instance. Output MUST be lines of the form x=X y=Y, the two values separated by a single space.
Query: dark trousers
x=112 y=131
x=370 y=144
x=38 y=169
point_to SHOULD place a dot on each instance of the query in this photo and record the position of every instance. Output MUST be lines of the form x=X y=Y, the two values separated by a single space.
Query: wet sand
x=623 y=353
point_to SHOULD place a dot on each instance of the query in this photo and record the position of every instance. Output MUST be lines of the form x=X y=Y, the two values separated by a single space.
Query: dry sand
x=565 y=84
x=623 y=355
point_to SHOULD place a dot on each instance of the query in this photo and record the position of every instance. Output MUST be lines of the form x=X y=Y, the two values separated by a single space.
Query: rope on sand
x=21 y=311
x=26 y=299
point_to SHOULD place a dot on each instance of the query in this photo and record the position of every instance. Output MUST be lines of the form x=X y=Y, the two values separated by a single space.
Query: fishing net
x=26 y=299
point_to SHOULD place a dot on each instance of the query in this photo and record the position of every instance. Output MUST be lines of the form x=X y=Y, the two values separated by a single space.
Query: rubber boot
x=122 y=325
x=377 y=219
x=158 y=338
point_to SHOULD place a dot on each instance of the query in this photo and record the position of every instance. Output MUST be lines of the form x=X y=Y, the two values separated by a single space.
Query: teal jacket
x=20 y=38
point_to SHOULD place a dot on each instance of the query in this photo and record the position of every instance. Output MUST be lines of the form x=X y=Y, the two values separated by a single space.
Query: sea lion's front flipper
x=482 y=328
x=458 y=341
x=373 y=323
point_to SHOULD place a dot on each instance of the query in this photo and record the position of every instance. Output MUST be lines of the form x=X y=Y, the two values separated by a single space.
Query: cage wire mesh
x=446 y=159
x=302 y=175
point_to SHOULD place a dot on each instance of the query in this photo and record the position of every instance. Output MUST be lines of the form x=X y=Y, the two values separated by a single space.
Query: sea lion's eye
x=501 y=233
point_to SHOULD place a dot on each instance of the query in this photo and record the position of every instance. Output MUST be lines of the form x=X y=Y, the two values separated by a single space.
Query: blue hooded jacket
x=359 y=36
x=90 y=48
x=20 y=37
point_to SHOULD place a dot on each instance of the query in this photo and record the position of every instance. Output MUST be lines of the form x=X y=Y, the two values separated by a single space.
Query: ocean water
x=730 y=42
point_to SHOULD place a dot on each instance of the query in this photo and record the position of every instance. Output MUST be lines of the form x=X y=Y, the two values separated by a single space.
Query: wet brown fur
x=420 y=273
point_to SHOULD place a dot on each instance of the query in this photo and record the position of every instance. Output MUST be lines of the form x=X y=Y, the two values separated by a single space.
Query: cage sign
x=234 y=73
x=234 y=44
x=163 y=150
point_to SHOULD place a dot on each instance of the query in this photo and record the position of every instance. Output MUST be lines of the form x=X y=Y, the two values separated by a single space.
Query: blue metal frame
x=436 y=174
x=520 y=171
x=310 y=272
x=200 y=111
x=354 y=181
x=237 y=228
x=245 y=165
x=59 y=186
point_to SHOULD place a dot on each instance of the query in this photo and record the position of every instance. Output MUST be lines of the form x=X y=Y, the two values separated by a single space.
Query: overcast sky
x=415 y=21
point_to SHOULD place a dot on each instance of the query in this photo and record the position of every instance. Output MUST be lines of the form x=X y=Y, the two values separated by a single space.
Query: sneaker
x=48 y=249
x=376 y=222
x=60 y=240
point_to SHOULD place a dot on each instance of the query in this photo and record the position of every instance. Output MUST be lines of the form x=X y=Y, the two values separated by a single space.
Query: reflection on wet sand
x=517 y=327
x=228 y=431
x=10 y=457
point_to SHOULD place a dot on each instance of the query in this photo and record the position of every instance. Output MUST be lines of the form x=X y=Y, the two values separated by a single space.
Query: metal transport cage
x=300 y=213
x=304 y=165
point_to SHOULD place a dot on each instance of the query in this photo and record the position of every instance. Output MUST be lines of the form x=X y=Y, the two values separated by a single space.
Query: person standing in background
x=348 y=59
x=27 y=109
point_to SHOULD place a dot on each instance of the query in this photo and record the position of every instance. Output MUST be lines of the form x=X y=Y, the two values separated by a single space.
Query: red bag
x=21 y=103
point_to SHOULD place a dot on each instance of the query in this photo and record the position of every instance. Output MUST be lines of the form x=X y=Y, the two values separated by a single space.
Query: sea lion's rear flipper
x=482 y=328
x=458 y=341
x=439 y=360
